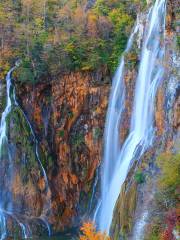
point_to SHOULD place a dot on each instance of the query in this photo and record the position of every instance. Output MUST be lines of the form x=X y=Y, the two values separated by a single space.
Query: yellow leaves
x=132 y=57
x=39 y=21
x=92 y=17
x=92 y=24
x=69 y=47
x=6 y=15
x=86 y=68
x=120 y=19
x=89 y=233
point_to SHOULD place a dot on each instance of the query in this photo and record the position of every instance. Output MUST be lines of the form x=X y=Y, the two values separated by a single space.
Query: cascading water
x=3 y=142
x=118 y=160
x=7 y=208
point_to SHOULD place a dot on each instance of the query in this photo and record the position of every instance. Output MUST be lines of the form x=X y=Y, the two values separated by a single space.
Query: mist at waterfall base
x=118 y=159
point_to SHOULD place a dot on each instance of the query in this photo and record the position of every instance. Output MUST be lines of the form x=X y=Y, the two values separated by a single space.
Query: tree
x=89 y=233
x=53 y=36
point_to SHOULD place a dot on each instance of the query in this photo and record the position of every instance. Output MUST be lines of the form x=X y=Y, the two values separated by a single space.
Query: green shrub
x=97 y=133
x=78 y=139
x=178 y=42
x=61 y=133
x=139 y=177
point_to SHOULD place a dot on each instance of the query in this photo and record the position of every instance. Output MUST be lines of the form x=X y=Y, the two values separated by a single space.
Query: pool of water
x=72 y=235
x=58 y=237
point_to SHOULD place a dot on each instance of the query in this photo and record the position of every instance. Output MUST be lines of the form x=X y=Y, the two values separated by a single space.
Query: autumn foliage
x=53 y=36
x=171 y=222
x=89 y=233
x=166 y=221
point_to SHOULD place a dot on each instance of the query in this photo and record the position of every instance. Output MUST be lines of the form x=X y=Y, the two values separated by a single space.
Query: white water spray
x=117 y=161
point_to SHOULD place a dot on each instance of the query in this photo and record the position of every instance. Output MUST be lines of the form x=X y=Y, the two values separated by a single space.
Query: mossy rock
x=19 y=134
x=21 y=157
x=2 y=97
x=124 y=212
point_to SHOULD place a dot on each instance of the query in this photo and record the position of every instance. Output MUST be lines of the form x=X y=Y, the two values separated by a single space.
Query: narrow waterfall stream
x=8 y=205
x=3 y=140
x=118 y=159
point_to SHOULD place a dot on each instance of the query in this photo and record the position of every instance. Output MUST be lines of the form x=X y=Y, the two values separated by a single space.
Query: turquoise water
x=60 y=237
x=72 y=235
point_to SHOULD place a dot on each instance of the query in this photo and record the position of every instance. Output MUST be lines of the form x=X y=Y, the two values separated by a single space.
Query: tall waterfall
x=3 y=140
x=118 y=159
x=7 y=208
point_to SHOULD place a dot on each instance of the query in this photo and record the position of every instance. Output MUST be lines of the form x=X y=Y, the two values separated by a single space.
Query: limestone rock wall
x=68 y=116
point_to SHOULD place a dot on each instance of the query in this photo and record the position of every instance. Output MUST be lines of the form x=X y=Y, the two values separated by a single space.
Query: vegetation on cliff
x=52 y=36
x=165 y=222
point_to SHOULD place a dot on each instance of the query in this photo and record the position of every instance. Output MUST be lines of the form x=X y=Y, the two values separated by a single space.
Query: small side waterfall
x=118 y=159
x=7 y=208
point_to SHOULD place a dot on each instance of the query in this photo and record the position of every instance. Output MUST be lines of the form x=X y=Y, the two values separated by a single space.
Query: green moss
x=178 y=42
x=61 y=133
x=97 y=133
x=77 y=140
x=2 y=103
x=50 y=161
x=124 y=212
x=21 y=137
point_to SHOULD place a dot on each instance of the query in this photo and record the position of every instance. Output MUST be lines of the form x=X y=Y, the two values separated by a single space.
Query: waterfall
x=6 y=200
x=118 y=159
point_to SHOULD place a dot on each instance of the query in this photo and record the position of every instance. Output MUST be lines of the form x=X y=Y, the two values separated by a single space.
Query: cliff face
x=68 y=116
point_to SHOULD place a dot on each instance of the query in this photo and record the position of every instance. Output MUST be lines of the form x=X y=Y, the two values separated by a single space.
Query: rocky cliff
x=68 y=116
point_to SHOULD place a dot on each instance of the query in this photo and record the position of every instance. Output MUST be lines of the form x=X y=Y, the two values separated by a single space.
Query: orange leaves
x=65 y=177
x=5 y=54
x=89 y=233
x=74 y=179
x=37 y=115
